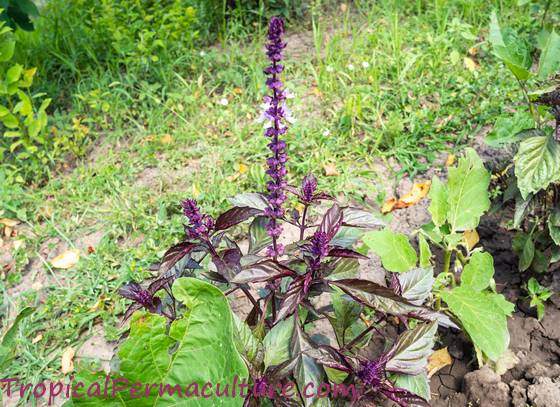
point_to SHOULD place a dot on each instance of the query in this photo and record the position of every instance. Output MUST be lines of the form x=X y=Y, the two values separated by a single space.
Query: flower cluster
x=309 y=186
x=319 y=249
x=199 y=225
x=276 y=112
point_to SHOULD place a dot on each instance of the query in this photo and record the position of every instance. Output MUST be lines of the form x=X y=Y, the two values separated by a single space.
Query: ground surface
x=385 y=94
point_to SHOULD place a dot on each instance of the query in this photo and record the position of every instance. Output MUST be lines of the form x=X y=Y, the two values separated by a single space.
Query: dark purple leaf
x=131 y=310
x=258 y=237
x=250 y=200
x=330 y=357
x=130 y=291
x=158 y=284
x=176 y=253
x=228 y=263
x=332 y=220
x=213 y=276
x=235 y=216
x=263 y=271
x=356 y=217
x=319 y=196
x=295 y=294
x=341 y=252
x=293 y=190
x=404 y=398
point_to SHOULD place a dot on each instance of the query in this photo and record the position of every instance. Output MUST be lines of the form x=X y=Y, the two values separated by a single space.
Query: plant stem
x=302 y=225
x=446 y=260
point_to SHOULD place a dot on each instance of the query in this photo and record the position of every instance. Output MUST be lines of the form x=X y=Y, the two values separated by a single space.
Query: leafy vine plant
x=183 y=333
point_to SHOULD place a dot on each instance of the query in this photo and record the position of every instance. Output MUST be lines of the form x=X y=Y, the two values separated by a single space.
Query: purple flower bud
x=199 y=225
x=372 y=373
x=309 y=186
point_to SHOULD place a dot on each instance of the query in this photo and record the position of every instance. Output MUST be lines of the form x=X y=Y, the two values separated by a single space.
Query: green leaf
x=549 y=61
x=258 y=238
x=346 y=313
x=245 y=342
x=418 y=384
x=468 y=192
x=277 y=343
x=306 y=369
x=425 y=252
x=396 y=252
x=335 y=375
x=554 y=226
x=8 y=339
x=484 y=321
x=198 y=348
x=511 y=129
x=343 y=267
x=14 y=73
x=438 y=204
x=537 y=164
x=511 y=49
x=524 y=246
x=412 y=348
x=478 y=272
x=7 y=48
x=416 y=284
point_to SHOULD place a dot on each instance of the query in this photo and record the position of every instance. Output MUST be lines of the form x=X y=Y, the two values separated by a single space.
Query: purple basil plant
x=283 y=284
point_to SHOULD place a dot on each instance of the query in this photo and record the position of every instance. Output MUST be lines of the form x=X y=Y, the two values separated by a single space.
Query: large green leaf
x=549 y=61
x=277 y=343
x=416 y=284
x=306 y=369
x=246 y=344
x=478 y=272
x=537 y=164
x=554 y=226
x=510 y=129
x=417 y=384
x=346 y=313
x=396 y=252
x=425 y=252
x=194 y=350
x=467 y=192
x=412 y=348
x=438 y=201
x=511 y=49
x=482 y=317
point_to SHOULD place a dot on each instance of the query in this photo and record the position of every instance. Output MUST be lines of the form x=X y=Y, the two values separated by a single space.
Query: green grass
x=413 y=101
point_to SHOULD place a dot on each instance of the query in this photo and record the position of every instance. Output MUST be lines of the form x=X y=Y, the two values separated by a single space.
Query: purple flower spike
x=309 y=186
x=372 y=373
x=199 y=225
x=276 y=113
x=319 y=249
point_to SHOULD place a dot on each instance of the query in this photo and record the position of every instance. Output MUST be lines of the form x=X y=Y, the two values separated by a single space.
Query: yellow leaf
x=438 y=360
x=167 y=139
x=473 y=51
x=242 y=168
x=36 y=339
x=416 y=194
x=195 y=191
x=66 y=260
x=237 y=91
x=471 y=238
x=330 y=170
x=450 y=160
x=389 y=205
x=470 y=64
x=343 y=7
x=9 y=222
x=67 y=360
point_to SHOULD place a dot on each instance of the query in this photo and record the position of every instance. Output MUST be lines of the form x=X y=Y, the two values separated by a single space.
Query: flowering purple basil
x=372 y=373
x=309 y=186
x=319 y=248
x=144 y=297
x=276 y=112
x=199 y=225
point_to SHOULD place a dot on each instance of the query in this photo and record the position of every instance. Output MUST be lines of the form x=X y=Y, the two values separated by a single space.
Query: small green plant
x=534 y=184
x=464 y=287
x=538 y=295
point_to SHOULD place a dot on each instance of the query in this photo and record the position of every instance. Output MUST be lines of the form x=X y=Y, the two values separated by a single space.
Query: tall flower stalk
x=275 y=113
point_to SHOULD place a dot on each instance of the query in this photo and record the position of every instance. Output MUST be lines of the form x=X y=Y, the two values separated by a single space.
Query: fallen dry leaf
x=167 y=139
x=238 y=91
x=470 y=64
x=471 y=238
x=9 y=222
x=473 y=51
x=66 y=260
x=8 y=230
x=330 y=170
x=17 y=244
x=418 y=191
x=67 y=360
x=450 y=160
x=388 y=205
x=416 y=194
x=36 y=339
x=437 y=360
